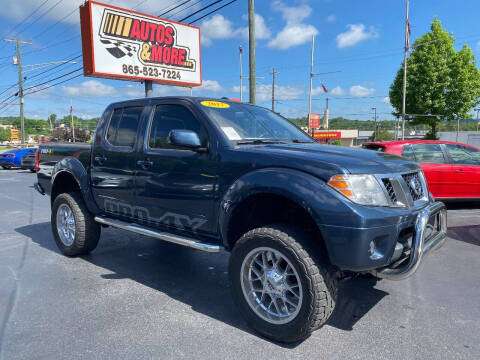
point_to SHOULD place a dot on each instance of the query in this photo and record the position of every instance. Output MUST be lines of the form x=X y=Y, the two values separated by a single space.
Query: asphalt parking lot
x=139 y=298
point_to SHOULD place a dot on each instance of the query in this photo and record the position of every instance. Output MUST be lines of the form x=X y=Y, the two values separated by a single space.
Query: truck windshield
x=244 y=124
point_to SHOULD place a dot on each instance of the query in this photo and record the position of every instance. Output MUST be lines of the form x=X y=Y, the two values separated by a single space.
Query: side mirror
x=185 y=138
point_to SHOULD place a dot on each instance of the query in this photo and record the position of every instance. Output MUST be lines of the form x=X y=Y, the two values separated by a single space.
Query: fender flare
x=308 y=191
x=75 y=168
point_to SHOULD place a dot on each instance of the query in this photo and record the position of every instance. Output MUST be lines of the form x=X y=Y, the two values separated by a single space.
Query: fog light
x=373 y=252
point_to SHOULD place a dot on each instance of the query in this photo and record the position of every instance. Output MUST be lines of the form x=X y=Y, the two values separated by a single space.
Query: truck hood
x=327 y=160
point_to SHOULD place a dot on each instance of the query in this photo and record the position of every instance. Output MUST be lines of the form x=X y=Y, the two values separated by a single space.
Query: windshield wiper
x=297 y=141
x=260 y=141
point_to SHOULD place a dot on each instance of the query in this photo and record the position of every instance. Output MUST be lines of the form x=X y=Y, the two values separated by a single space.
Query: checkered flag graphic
x=119 y=49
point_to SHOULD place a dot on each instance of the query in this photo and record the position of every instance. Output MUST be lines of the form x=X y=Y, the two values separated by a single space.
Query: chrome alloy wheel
x=65 y=224
x=271 y=285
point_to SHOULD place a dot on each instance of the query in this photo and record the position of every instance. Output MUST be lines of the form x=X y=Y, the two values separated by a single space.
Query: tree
x=4 y=134
x=382 y=135
x=440 y=80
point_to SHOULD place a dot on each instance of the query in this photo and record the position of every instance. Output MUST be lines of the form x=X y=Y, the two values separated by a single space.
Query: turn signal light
x=340 y=183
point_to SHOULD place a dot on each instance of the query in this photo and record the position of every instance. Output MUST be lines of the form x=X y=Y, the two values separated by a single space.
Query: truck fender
x=76 y=169
x=309 y=192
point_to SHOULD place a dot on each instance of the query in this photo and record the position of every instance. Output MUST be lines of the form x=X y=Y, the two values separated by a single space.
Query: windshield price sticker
x=215 y=104
x=231 y=133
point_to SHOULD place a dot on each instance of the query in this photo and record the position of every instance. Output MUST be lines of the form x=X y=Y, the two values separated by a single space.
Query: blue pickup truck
x=296 y=216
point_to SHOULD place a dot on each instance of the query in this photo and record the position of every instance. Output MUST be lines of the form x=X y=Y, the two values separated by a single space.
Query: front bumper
x=349 y=248
x=426 y=237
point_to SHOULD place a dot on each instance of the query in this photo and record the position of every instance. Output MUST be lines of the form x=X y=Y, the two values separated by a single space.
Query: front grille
x=389 y=187
x=414 y=185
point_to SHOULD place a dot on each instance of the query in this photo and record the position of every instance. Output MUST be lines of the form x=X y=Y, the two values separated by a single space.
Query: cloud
x=386 y=100
x=337 y=91
x=318 y=90
x=219 y=27
x=209 y=86
x=293 y=35
x=90 y=88
x=262 y=31
x=331 y=18
x=360 y=91
x=355 y=34
x=289 y=92
x=295 y=32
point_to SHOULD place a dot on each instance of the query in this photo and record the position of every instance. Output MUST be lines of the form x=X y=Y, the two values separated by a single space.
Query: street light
x=375 y=129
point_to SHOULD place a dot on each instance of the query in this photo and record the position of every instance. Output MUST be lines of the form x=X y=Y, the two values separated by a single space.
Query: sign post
x=126 y=45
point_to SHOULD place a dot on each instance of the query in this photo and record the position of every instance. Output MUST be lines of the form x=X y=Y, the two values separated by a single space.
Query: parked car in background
x=452 y=169
x=29 y=162
x=13 y=158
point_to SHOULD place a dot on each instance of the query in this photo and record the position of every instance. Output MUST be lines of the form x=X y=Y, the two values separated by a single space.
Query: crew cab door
x=114 y=162
x=175 y=186
x=465 y=170
x=436 y=168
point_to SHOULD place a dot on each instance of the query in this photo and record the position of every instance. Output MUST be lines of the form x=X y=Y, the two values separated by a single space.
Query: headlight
x=362 y=189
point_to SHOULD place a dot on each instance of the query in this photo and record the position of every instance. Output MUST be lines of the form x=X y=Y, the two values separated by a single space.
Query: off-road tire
x=87 y=231
x=319 y=281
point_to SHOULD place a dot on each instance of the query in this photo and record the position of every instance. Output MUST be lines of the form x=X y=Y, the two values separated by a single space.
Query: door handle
x=145 y=164
x=459 y=171
x=100 y=159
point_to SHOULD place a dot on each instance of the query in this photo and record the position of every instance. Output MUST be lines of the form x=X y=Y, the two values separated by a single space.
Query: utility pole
x=325 y=116
x=375 y=129
x=251 y=48
x=274 y=72
x=311 y=79
x=20 y=82
x=407 y=44
x=148 y=88
x=240 y=51
x=71 y=120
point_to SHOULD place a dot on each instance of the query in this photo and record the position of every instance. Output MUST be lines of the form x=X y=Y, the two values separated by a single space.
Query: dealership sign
x=124 y=44
x=327 y=135
x=313 y=121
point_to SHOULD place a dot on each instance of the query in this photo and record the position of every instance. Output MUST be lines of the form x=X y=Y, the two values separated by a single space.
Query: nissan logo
x=415 y=186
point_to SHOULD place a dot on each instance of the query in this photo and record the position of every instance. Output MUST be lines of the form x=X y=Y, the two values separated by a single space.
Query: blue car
x=13 y=158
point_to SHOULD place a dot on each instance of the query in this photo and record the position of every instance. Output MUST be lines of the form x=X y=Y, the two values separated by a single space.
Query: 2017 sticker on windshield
x=215 y=104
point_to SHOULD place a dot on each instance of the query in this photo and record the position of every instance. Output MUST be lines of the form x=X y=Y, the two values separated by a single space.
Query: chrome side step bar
x=176 y=239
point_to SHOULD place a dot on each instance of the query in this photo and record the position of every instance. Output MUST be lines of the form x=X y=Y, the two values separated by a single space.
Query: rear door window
x=122 y=129
x=407 y=152
x=463 y=155
x=429 y=153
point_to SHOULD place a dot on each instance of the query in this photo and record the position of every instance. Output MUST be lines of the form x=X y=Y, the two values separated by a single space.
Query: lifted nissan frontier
x=296 y=216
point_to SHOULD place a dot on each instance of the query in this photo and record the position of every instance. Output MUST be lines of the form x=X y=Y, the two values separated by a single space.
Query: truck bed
x=53 y=152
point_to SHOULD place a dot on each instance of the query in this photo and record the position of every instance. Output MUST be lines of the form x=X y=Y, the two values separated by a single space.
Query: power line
x=25 y=20
x=47 y=87
x=41 y=16
x=55 y=24
x=211 y=12
x=204 y=8
x=50 y=80
x=185 y=8
x=55 y=67
x=175 y=7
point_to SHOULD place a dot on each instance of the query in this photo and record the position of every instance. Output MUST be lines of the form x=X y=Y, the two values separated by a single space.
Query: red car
x=452 y=169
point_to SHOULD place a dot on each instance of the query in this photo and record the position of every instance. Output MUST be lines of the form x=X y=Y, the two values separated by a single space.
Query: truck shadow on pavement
x=467 y=233
x=195 y=278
